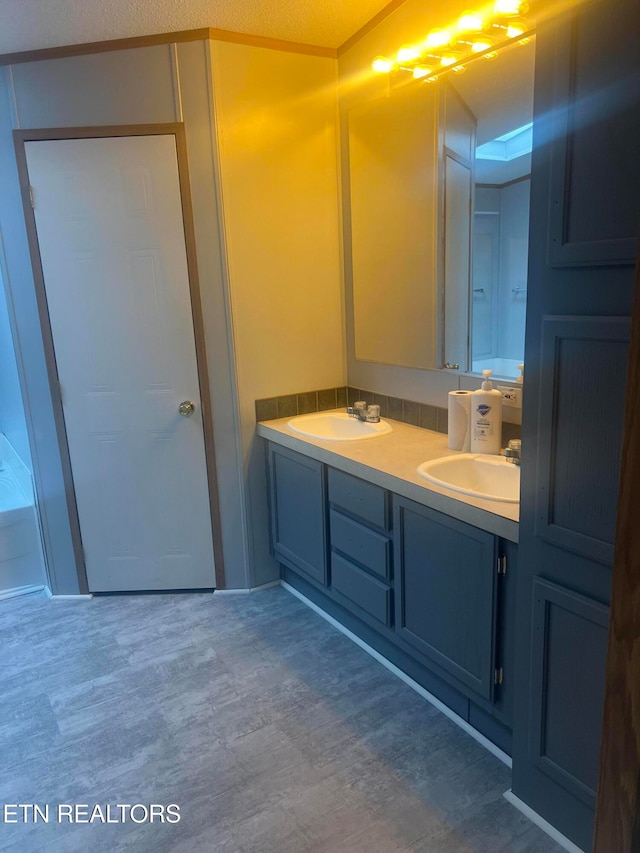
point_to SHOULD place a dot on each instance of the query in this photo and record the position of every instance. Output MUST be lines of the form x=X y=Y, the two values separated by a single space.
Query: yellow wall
x=276 y=116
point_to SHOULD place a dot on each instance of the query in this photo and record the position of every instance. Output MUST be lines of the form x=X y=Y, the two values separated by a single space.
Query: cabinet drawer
x=361 y=588
x=359 y=498
x=363 y=545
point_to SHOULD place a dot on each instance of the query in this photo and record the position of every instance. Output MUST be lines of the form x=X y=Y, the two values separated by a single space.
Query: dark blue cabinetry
x=359 y=519
x=563 y=689
x=584 y=222
x=446 y=588
x=425 y=590
x=298 y=513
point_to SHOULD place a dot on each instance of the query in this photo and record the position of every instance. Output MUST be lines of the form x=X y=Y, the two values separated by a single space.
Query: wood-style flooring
x=269 y=728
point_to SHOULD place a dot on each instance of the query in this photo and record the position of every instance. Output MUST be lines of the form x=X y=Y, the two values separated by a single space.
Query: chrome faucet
x=513 y=451
x=363 y=412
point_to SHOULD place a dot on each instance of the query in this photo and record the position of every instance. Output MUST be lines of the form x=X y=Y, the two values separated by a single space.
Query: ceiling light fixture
x=476 y=35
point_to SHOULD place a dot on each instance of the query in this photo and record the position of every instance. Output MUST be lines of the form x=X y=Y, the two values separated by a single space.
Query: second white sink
x=337 y=426
x=483 y=476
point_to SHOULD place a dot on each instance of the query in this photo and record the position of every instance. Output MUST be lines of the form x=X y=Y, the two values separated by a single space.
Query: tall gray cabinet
x=585 y=214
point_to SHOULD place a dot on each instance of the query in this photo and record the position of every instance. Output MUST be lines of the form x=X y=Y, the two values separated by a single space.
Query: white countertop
x=391 y=460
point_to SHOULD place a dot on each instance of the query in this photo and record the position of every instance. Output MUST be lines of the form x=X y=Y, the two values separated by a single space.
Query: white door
x=110 y=230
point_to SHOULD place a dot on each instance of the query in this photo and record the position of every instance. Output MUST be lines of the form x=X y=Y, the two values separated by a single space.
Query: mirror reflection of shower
x=499 y=98
x=501 y=252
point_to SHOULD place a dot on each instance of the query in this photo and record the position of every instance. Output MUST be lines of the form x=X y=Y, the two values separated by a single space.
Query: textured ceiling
x=33 y=24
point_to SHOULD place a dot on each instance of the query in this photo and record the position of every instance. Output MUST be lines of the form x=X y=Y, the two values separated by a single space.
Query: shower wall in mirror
x=499 y=97
x=500 y=226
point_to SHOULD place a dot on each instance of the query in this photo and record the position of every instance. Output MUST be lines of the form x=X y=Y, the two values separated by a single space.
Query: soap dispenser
x=486 y=417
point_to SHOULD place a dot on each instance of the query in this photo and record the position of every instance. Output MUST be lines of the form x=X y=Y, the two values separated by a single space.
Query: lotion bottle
x=486 y=417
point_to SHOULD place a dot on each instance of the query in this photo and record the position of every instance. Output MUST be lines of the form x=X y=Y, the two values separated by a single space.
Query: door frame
x=617 y=821
x=177 y=130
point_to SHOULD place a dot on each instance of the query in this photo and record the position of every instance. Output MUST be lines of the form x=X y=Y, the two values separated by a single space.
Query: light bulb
x=382 y=65
x=408 y=54
x=510 y=7
x=470 y=22
x=421 y=71
x=449 y=59
x=481 y=44
x=516 y=28
x=438 y=38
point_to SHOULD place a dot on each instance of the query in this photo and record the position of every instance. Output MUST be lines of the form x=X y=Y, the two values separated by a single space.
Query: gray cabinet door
x=594 y=164
x=445 y=593
x=567 y=679
x=585 y=196
x=298 y=512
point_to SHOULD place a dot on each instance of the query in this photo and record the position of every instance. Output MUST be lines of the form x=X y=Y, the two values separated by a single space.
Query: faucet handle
x=513 y=450
x=373 y=413
x=358 y=410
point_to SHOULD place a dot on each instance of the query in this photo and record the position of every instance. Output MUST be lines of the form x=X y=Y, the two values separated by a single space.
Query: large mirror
x=437 y=210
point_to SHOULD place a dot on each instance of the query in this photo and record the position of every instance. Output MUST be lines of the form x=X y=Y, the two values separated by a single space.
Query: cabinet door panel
x=569 y=653
x=593 y=217
x=445 y=593
x=298 y=512
x=584 y=360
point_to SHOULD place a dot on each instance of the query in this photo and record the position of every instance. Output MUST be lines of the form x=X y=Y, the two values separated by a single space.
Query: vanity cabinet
x=446 y=588
x=298 y=512
x=360 y=545
x=425 y=590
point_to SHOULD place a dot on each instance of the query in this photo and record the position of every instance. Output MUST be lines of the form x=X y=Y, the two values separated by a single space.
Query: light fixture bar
x=476 y=35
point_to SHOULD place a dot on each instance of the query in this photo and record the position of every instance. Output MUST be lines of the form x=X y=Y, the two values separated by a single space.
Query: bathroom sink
x=337 y=426
x=490 y=477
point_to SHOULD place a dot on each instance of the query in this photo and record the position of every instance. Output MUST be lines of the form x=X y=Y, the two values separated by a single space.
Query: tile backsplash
x=301 y=404
x=396 y=408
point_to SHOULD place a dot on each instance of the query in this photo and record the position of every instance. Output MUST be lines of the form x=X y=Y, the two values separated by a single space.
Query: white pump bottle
x=486 y=417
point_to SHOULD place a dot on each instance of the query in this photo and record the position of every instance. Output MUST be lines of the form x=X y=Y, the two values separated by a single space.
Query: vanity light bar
x=476 y=35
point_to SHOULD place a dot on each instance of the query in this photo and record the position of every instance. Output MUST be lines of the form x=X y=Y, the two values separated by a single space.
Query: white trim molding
x=23 y=590
x=544 y=825
x=463 y=724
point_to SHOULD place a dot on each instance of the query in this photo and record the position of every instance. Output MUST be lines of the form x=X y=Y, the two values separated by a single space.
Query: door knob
x=186 y=408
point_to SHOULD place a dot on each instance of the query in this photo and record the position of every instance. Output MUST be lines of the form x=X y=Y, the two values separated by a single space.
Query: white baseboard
x=87 y=597
x=544 y=825
x=463 y=724
x=21 y=590
x=246 y=591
